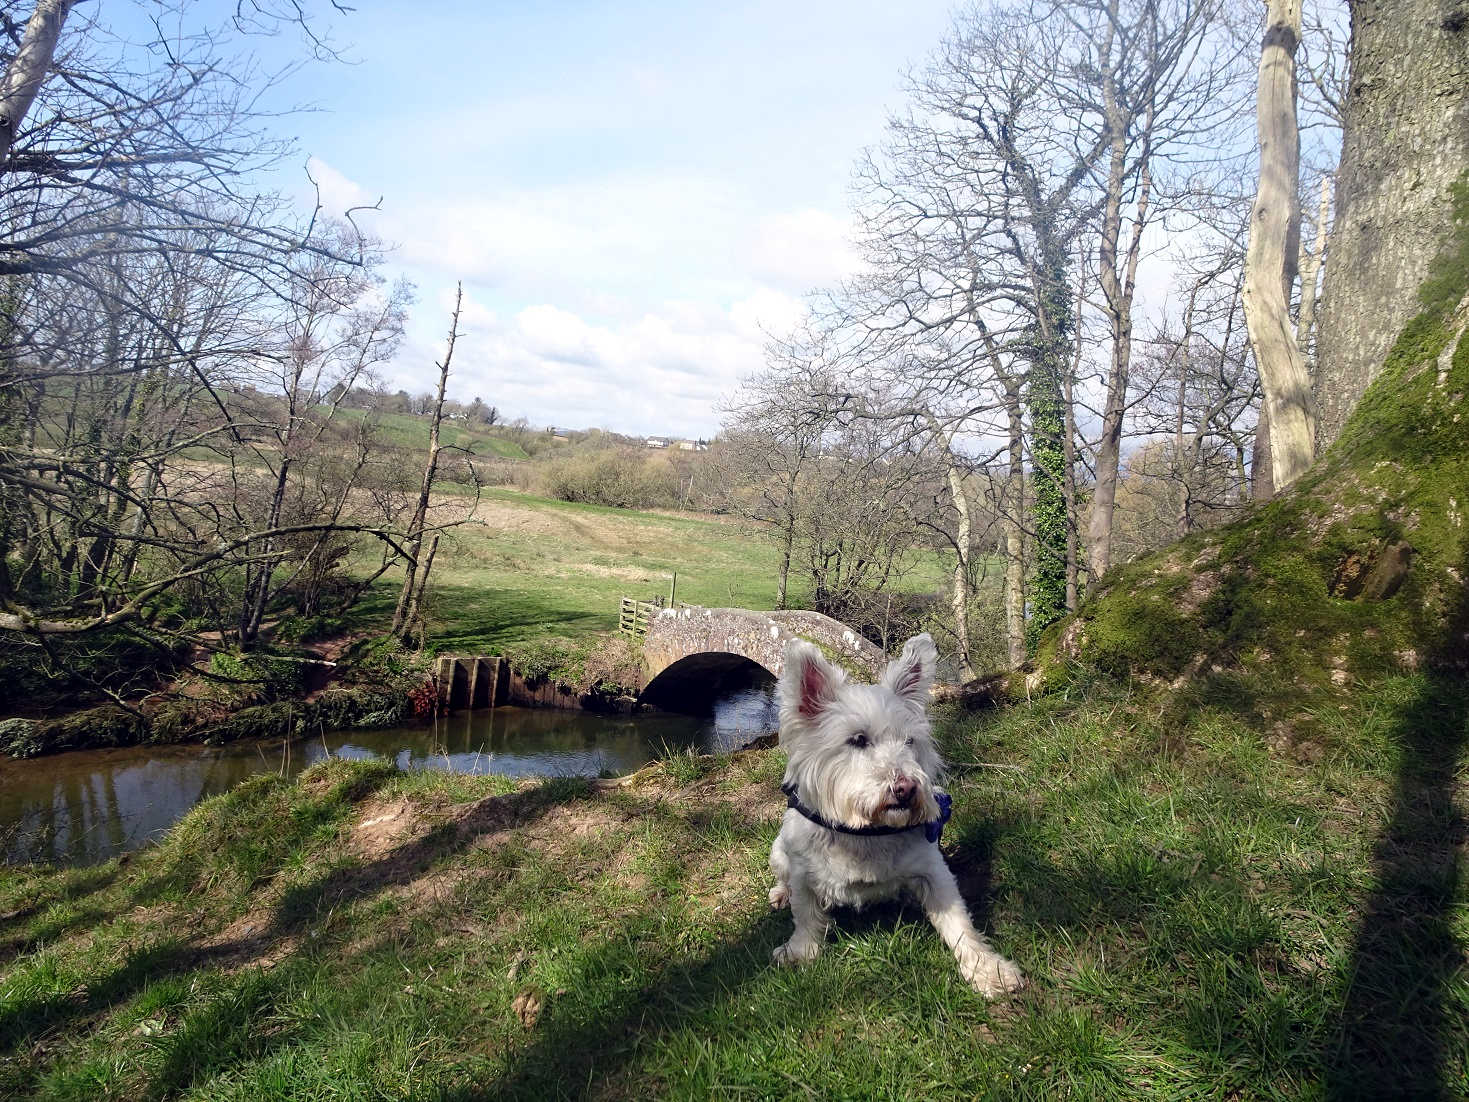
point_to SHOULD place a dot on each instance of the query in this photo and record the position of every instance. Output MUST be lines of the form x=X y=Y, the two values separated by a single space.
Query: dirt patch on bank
x=382 y=826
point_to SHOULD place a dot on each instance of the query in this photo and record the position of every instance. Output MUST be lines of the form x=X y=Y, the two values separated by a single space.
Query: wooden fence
x=634 y=616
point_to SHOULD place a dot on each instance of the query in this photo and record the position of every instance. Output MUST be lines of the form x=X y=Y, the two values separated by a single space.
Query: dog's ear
x=911 y=673
x=808 y=682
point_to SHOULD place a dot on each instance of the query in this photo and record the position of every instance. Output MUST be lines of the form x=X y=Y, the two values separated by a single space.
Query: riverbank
x=1200 y=910
x=87 y=806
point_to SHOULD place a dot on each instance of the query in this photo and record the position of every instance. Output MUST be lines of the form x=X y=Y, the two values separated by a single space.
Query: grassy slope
x=1227 y=849
x=1191 y=920
x=529 y=566
x=410 y=432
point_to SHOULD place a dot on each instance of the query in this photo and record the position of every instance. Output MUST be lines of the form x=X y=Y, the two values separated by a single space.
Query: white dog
x=865 y=815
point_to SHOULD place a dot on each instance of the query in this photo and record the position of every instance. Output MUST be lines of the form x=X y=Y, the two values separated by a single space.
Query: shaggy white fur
x=863 y=756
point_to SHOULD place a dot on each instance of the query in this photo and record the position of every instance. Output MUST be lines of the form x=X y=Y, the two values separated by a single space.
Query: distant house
x=655 y=442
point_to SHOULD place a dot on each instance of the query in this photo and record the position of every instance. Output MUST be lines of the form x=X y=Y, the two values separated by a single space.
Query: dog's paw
x=780 y=897
x=796 y=952
x=991 y=975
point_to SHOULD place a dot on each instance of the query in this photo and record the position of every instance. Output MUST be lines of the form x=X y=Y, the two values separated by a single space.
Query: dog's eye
x=859 y=740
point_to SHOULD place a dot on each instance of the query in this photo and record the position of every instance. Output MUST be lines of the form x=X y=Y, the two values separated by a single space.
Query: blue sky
x=629 y=191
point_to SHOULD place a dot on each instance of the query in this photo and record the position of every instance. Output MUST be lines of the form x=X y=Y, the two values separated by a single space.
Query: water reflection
x=89 y=805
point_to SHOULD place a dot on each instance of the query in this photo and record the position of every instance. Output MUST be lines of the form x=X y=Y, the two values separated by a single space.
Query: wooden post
x=673 y=589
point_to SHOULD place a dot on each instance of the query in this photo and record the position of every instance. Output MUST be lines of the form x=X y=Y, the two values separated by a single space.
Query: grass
x=1205 y=916
x=526 y=567
x=407 y=431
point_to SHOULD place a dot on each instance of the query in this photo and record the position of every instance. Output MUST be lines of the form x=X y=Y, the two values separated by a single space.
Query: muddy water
x=89 y=805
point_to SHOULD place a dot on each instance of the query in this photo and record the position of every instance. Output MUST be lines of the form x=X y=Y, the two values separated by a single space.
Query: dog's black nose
x=903 y=789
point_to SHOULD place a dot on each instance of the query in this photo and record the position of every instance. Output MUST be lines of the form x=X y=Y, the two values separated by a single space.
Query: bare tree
x=1166 y=85
x=416 y=572
x=336 y=326
x=178 y=343
x=771 y=439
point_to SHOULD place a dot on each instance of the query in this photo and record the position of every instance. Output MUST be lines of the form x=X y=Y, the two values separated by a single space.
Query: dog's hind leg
x=985 y=970
x=811 y=923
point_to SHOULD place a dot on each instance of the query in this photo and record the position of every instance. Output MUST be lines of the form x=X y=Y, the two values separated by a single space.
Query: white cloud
x=664 y=372
x=802 y=250
x=692 y=303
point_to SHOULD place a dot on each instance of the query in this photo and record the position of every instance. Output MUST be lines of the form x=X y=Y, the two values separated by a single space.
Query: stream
x=89 y=805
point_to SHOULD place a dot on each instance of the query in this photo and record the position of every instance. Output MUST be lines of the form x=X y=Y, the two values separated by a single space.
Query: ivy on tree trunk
x=1049 y=360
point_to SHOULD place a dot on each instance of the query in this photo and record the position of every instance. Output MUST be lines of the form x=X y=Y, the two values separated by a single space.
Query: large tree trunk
x=1406 y=142
x=1270 y=261
x=1262 y=475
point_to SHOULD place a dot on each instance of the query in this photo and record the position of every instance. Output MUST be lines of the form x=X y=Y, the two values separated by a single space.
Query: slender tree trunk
x=1270 y=260
x=1310 y=266
x=415 y=604
x=1183 y=522
x=1012 y=509
x=1117 y=290
x=787 y=548
x=1073 y=520
x=405 y=614
x=960 y=595
x=1049 y=360
x=27 y=70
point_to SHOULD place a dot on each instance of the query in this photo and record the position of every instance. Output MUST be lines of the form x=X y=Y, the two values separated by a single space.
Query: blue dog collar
x=933 y=830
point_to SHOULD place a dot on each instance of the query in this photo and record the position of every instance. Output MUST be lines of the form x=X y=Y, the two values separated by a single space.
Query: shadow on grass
x=74 y=886
x=406 y=862
x=27 y=1021
x=471 y=618
x=581 y=1051
x=1395 y=1024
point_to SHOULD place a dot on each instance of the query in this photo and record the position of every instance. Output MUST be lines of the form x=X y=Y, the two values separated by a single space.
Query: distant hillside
x=407 y=431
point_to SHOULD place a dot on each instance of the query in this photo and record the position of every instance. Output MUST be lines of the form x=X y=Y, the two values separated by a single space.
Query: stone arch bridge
x=703 y=647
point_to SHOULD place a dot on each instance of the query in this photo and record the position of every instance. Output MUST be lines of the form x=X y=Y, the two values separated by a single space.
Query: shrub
x=607 y=664
x=619 y=477
x=260 y=673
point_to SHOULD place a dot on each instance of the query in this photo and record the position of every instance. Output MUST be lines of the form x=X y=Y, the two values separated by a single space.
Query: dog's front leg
x=811 y=923
x=986 y=971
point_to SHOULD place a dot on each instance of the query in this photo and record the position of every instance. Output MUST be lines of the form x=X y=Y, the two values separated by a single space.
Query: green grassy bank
x=1213 y=915
x=523 y=567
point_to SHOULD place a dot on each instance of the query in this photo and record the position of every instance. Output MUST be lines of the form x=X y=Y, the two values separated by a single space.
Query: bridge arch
x=717 y=643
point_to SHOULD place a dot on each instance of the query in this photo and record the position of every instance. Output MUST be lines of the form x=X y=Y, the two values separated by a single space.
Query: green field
x=407 y=431
x=523 y=567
